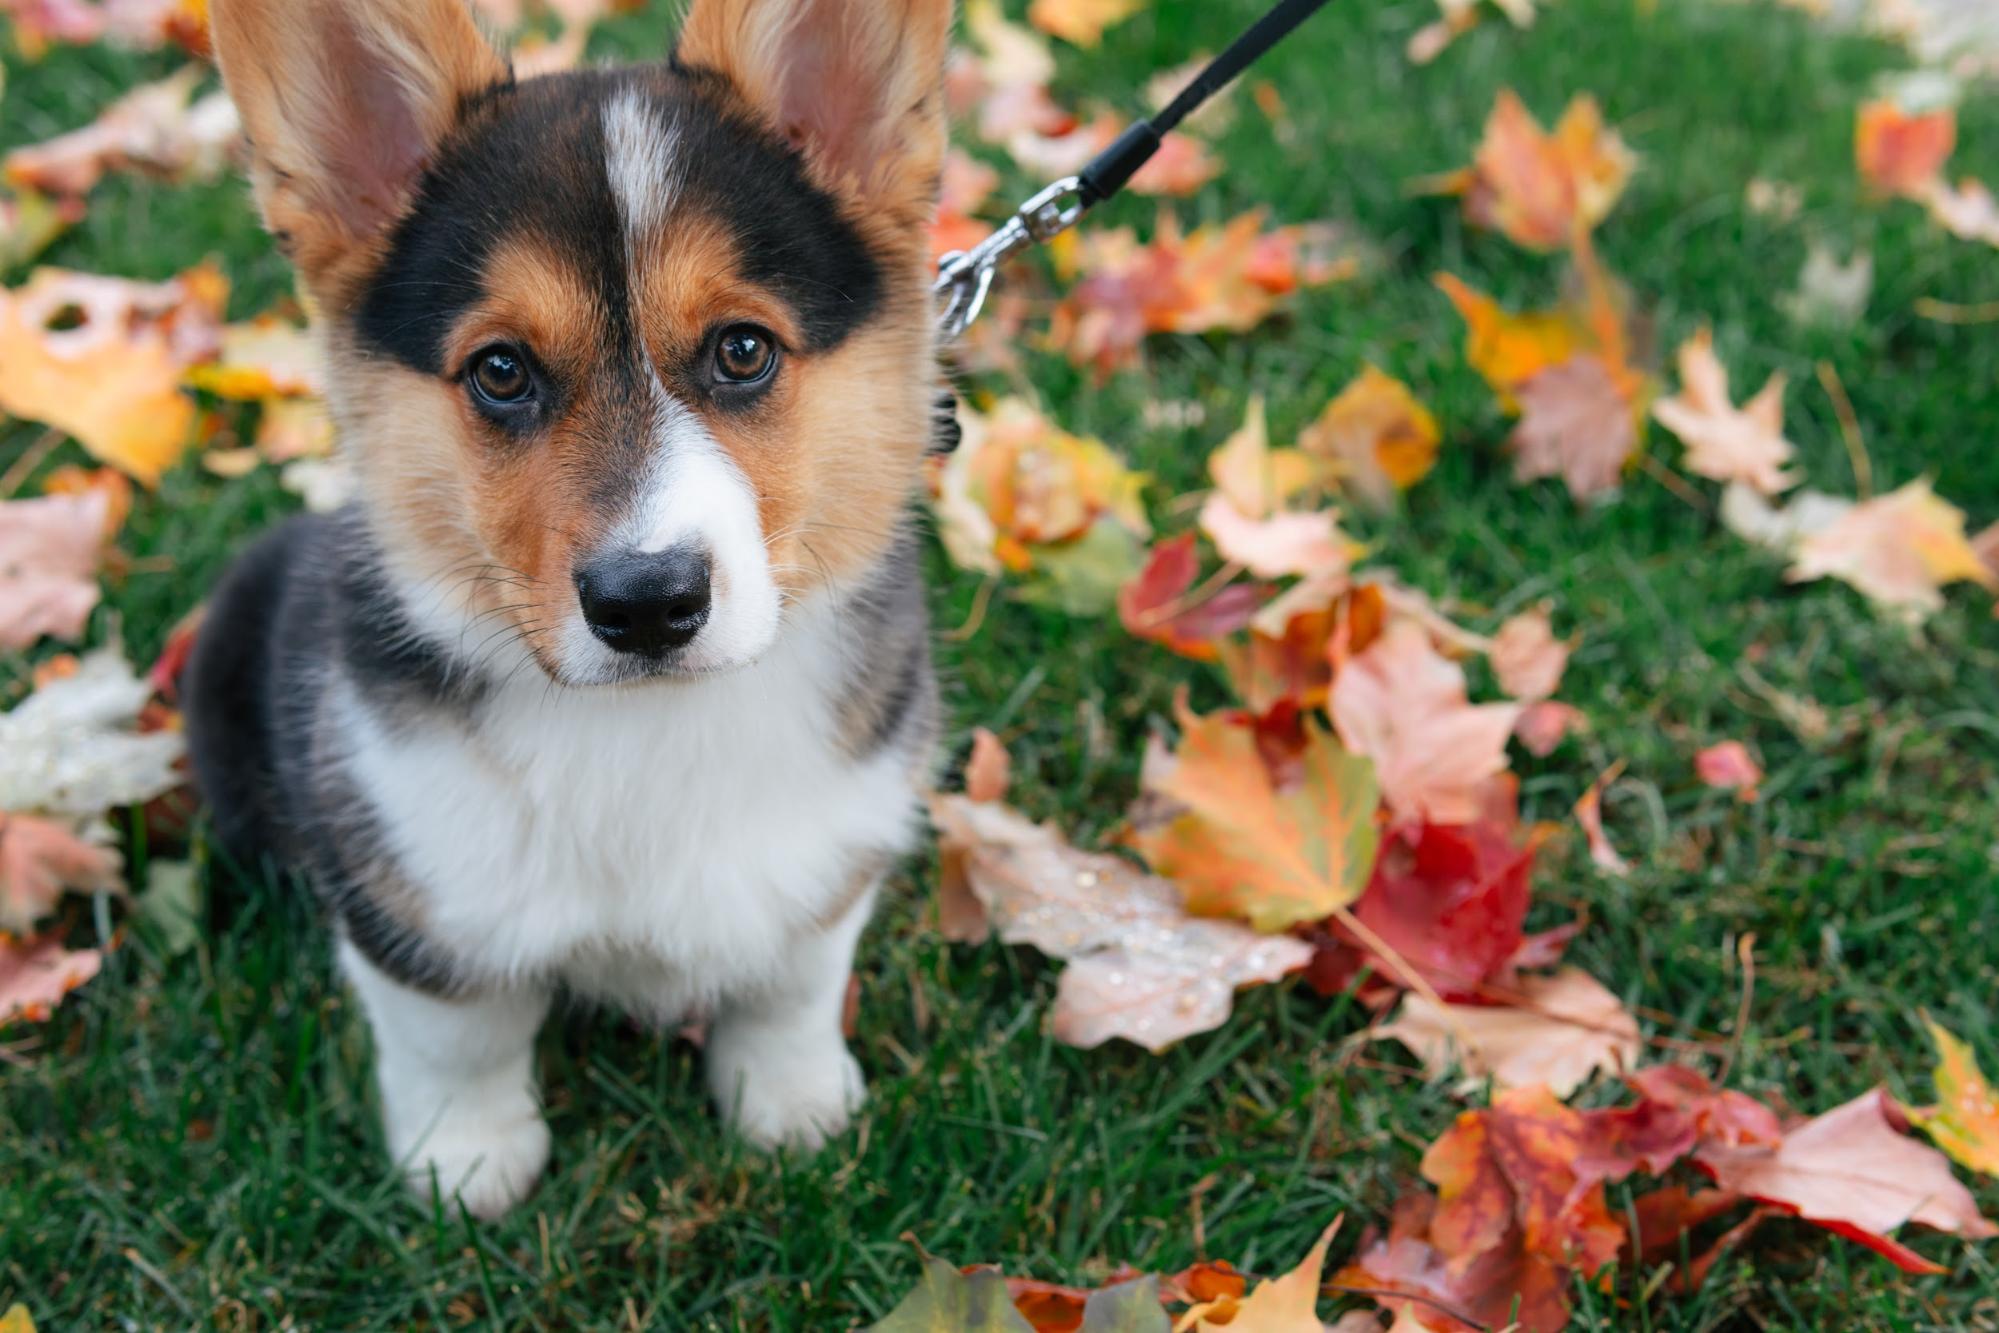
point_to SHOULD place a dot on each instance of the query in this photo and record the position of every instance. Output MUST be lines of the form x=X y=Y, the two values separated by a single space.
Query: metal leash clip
x=964 y=277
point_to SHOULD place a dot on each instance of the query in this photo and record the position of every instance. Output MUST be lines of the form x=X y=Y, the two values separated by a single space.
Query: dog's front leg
x=458 y=1091
x=778 y=1063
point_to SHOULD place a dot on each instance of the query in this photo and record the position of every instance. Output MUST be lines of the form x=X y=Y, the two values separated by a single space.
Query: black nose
x=645 y=603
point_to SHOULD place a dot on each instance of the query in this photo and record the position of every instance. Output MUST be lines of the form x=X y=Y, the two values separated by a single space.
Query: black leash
x=965 y=277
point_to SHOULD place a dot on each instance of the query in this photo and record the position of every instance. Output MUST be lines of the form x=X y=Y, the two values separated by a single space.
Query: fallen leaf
x=1403 y=704
x=1729 y=766
x=1450 y=900
x=1254 y=478
x=1019 y=490
x=1726 y=443
x=1507 y=349
x=49 y=551
x=965 y=185
x=1139 y=967
x=1575 y=424
x=1526 y=657
x=1506 y=1287
x=17 y=1320
x=30 y=223
x=37 y=974
x=1589 y=813
x=1545 y=191
x=40 y=860
x=1222 y=276
x=1750 y=516
x=1245 y=847
x=1281 y=544
x=1831 y=294
x=263 y=358
x=114 y=487
x=72 y=748
x=1080 y=22
x=1899 y=153
x=1287 y=1304
x=101 y=359
x=1544 y=725
x=1563 y=1029
x=949 y=1301
x=1155 y=604
x=172 y=905
x=1898 y=549
x=1965 y=1120
x=1180 y=167
x=158 y=129
x=1967 y=210
x=1374 y=437
x=1852 y=1173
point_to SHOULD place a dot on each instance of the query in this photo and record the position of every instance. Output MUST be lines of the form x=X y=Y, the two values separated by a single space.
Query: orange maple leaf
x=1246 y=848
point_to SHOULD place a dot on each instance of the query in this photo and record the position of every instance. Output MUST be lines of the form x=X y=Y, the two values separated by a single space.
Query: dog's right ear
x=345 y=102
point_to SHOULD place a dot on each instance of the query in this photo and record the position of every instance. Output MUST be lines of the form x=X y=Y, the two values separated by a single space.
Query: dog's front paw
x=487 y=1158
x=776 y=1095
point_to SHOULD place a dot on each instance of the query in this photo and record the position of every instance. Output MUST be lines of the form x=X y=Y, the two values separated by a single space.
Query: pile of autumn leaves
x=1353 y=820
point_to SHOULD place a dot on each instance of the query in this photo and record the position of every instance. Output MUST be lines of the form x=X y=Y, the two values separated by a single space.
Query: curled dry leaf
x=1589 y=814
x=1729 y=766
x=49 y=550
x=1898 y=549
x=1160 y=603
x=1561 y=1030
x=1576 y=424
x=158 y=129
x=1851 y=1172
x=1374 y=438
x=1404 y=705
x=1526 y=657
x=1965 y=1120
x=40 y=860
x=101 y=359
x=1019 y=493
x=37 y=974
x=1140 y=968
x=1542 y=190
x=1724 y=442
x=1245 y=846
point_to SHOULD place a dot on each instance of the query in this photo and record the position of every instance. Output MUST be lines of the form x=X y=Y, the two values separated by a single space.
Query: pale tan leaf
x=1562 y=1029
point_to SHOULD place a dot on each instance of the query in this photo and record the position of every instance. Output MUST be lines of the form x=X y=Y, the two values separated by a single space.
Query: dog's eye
x=501 y=378
x=744 y=354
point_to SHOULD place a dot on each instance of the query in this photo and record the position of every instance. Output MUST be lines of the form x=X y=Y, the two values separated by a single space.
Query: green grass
x=193 y=1145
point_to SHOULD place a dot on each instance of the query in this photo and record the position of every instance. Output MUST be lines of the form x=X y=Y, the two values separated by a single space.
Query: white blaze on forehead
x=642 y=159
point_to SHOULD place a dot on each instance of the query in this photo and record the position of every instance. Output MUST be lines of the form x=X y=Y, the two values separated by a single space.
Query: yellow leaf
x=1376 y=436
x=101 y=359
x=17 y=1320
x=1287 y=1304
x=1965 y=1122
x=1245 y=848
x=1509 y=349
x=1544 y=191
x=265 y=357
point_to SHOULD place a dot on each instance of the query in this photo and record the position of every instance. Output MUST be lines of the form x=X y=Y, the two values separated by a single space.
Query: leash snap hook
x=965 y=277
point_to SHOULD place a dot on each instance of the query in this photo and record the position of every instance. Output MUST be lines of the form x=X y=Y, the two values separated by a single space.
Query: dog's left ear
x=857 y=85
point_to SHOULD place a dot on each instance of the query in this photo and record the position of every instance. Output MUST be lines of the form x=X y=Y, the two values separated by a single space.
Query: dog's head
x=628 y=361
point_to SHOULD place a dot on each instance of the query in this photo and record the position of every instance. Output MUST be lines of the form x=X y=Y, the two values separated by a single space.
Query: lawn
x=189 y=1142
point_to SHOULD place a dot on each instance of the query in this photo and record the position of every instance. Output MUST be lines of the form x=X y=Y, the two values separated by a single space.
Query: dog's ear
x=857 y=85
x=345 y=102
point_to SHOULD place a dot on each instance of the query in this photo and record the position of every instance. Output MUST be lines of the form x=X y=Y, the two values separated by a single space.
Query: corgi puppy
x=615 y=679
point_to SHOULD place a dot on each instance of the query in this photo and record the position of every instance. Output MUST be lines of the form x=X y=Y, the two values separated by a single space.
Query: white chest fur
x=658 y=846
